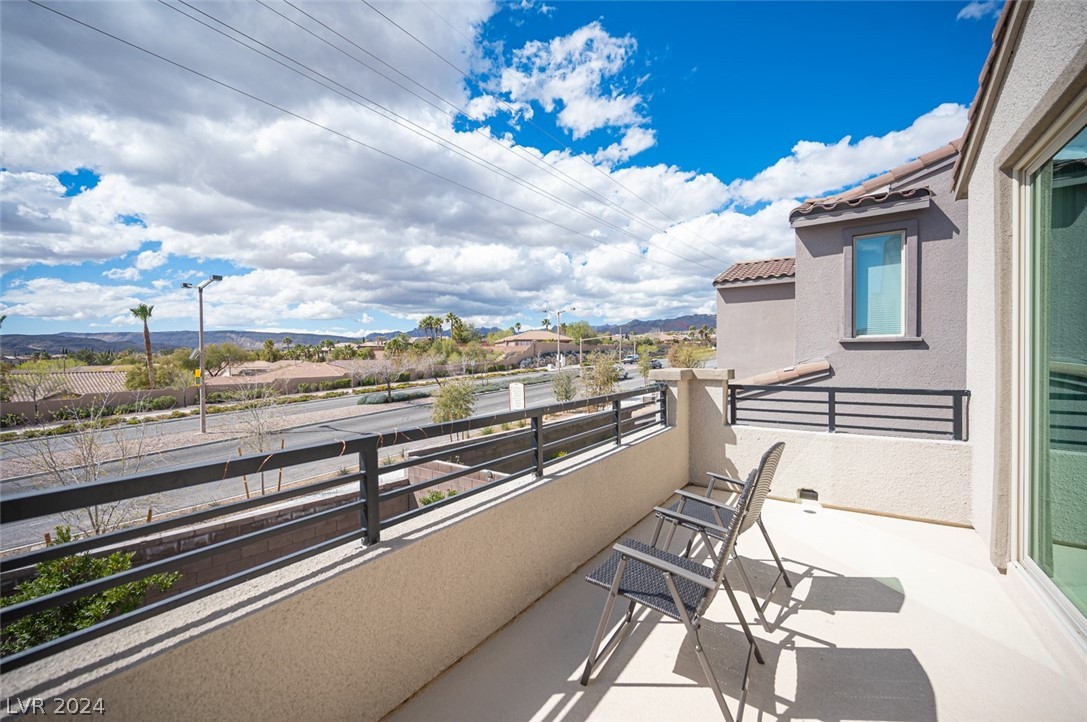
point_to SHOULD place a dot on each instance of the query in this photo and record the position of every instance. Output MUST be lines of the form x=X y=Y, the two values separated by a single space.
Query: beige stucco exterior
x=1042 y=72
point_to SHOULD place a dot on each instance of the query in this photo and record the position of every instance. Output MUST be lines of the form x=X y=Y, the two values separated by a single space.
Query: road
x=401 y=415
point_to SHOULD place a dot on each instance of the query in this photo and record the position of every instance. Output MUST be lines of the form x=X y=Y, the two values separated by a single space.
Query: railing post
x=617 y=412
x=956 y=415
x=371 y=511
x=831 y=422
x=663 y=390
x=732 y=404
x=537 y=445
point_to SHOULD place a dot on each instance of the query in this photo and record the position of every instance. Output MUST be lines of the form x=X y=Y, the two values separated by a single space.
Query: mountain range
x=58 y=343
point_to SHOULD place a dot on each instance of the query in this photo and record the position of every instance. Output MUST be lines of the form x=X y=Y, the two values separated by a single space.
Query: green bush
x=436 y=495
x=59 y=574
x=9 y=420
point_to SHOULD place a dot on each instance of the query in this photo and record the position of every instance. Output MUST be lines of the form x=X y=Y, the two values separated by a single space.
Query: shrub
x=9 y=420
x=379 y=397
x=455 y=400
x=436 y=495
x=59 y=574
x=564 y=386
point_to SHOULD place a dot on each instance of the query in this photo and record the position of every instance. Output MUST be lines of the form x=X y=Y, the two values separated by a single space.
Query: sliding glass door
x=1058 y=475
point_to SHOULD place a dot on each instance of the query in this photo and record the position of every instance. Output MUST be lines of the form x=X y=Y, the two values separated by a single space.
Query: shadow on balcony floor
x=889 y=620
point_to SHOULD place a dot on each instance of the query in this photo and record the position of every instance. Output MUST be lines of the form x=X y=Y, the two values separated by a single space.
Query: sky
x=349 y=167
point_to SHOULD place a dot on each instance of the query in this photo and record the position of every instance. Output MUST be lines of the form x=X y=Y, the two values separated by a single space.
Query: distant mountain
x=662 y=325
x=17 y=344
x=14 y=344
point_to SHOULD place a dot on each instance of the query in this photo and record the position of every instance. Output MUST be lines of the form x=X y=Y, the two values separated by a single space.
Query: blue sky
x=612 y=157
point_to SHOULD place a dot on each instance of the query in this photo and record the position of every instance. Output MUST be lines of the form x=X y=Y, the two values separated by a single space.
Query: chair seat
x=646 y=585
x=704 y=513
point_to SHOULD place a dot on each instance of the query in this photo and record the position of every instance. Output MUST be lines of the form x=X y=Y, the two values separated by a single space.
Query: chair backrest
x=768 y=464
x=755 y=489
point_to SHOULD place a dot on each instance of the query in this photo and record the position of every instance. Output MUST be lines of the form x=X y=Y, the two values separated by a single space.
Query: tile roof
x=829 y=204
x=75 y=383
x=535 y=335
x=758 y=270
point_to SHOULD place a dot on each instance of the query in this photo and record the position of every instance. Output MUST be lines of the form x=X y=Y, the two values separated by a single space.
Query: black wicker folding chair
x=676 y=587
x=709 y=519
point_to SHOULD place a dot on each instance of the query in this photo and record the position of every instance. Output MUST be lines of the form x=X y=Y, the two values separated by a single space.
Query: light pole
x=559 y=360
x=200 y=303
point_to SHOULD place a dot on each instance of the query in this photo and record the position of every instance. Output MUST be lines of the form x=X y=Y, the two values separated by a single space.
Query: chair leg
x=743 y=622
x=759 y=608
x=692 y=632
x=613 y=593
x=774 y=552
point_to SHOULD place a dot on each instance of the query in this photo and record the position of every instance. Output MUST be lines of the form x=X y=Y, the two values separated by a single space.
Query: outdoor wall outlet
x=807 y=495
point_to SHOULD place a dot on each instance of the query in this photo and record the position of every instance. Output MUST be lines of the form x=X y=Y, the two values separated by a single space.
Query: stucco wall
x=1048 y=64
x=755 y=327
x=939 y=360
x=352 y=633
x=913 y=478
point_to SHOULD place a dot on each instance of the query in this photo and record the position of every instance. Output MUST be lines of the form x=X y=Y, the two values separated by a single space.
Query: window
x=882 y=283
x=878 y=285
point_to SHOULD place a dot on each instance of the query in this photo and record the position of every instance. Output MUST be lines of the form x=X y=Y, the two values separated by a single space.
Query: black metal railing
x=921 y=412
x=1068 y=409
x=606 y=420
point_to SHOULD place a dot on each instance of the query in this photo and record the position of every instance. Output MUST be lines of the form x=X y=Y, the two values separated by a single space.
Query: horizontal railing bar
x=767 y=396
x=412 y=513
x=563 y=423
x=33 y=504
x=854 y=390
x=450 y=476
x=30 y=606
x=778 y=422
x=1068 y=427
x=771 y=410
x=865 y=427
x=452 y=449
x=51 y=647
x=106 y=540
x=936 y=419
x=904 y=405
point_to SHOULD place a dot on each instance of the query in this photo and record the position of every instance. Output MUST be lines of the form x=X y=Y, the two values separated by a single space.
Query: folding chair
x=676 y=587
x=708 y=518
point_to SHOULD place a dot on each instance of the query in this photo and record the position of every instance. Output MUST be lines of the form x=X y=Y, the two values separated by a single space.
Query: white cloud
x=149 y=260
x=815 y=168
x=580 y=72
x=978 y=9
x=123 y=274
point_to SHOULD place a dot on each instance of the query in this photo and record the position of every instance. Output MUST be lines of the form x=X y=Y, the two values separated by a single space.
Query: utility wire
x=342 y=135
x=410 y=125
x=543 y=130
x=519 y=152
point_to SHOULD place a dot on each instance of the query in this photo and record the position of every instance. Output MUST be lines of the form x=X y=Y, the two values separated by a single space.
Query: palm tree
x=517 y=327
x=546 y=323
x=454 y=321
x=143 y=312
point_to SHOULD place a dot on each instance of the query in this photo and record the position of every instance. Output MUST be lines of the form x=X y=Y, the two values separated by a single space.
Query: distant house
x=755 y=316
x=874 y=295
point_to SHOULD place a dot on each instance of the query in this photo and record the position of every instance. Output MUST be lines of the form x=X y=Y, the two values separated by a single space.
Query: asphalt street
x=401 y=415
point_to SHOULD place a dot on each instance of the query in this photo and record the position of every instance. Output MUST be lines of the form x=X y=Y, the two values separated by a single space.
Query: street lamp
x=559 y=360
x=200 y=303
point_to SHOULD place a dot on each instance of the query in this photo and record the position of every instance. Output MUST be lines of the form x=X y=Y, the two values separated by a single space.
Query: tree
x=645 y=365
x=35 y=381
x=431 y=326
x=394 y=361
x=564 y=386
x=599 y=375
x=99 y=452
x=143 y=312
x=455 y=400
x=287 y=341
x=686 y=356
x=219 y=357
x=579 y=330
x=546 y=323
x=268 y=351
x=59 y=574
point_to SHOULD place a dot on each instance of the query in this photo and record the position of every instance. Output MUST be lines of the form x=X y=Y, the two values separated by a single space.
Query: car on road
x=630 y=358
x=656 y=363
x=621 y=372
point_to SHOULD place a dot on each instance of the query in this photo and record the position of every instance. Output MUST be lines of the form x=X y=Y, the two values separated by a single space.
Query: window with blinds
x=878 y=285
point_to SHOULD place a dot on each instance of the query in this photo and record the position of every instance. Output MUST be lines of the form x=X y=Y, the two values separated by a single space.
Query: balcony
x=477 y=610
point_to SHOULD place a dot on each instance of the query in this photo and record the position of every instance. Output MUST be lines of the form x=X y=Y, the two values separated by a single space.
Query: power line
x=342 y=135
x=410 y=125
x=520 y=152
x=543 y=130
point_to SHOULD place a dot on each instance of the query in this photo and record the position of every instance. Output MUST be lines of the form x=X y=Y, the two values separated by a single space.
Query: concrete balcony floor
x=889 y=620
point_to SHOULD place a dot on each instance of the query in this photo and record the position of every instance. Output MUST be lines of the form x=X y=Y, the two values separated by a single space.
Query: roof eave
x=1008 y=27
